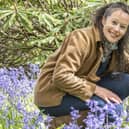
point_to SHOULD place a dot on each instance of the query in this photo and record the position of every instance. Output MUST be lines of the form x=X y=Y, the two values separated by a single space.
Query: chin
x=110 y=41
x=113 y=41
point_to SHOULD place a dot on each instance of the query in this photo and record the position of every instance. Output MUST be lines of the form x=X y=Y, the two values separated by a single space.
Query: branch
x=29 y=47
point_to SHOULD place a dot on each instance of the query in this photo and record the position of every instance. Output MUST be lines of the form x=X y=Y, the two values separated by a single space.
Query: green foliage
x=31 y=30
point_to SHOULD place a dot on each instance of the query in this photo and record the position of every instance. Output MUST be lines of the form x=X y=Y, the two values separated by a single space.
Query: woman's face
x=115 y=25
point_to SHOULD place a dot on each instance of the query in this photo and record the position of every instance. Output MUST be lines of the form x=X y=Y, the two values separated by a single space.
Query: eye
x=123 y=27
x=114 y=22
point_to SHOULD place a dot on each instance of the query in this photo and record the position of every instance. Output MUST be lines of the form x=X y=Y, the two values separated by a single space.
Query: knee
x=125 y=79
x=125 y=76
x=100 y=102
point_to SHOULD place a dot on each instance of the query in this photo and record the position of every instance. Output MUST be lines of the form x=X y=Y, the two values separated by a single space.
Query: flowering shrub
x=17 y=110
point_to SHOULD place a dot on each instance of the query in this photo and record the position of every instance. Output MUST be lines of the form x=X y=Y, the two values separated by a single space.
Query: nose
x=117 y=28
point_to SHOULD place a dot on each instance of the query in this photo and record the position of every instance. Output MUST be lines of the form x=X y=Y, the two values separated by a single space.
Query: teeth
x=113 y=35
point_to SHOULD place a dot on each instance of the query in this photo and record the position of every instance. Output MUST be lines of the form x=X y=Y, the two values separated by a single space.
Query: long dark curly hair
x=106 y=11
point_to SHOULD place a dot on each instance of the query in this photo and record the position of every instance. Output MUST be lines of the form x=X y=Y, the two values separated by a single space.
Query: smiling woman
x=87 y=66
x=115 y=25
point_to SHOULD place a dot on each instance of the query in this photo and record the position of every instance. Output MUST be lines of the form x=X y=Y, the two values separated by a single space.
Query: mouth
x=114 y=35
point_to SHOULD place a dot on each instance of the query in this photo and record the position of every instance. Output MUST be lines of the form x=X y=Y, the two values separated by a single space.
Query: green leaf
x=9 y=22
x=3 y=15
x=56 y=29
x=52 y=19
x=25 y=21
x=2 y=11
x=42 y=41
x=49 y=20
x=44 y=20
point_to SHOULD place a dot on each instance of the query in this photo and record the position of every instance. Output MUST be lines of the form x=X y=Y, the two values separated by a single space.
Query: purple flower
x=47 y=121
x=74 y=113
x=72 y=126
x=16 y=88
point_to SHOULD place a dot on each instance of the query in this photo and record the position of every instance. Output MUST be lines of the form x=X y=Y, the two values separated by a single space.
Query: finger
x=107 y=100
x=115 y=100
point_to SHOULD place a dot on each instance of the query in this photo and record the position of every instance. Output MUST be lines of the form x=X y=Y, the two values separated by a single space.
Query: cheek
x=123 y=32
x=106 y=29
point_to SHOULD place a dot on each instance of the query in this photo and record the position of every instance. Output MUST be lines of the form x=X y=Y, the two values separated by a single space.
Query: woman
x=87 y=65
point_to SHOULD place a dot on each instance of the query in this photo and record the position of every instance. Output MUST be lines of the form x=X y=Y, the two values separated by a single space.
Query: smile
x=113 y=35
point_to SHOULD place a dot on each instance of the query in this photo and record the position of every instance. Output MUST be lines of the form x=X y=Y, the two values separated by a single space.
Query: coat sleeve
x=75 y=49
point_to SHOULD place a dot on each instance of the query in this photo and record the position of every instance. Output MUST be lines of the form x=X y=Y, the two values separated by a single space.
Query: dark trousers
x=118 y=83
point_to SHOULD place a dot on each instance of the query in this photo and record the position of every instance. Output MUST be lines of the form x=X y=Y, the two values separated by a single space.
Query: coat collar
x=97 y=34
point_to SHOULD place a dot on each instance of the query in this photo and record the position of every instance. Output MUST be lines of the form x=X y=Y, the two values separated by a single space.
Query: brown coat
x=72 y=68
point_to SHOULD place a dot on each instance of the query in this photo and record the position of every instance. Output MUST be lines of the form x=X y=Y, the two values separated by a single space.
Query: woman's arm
x=75 y=49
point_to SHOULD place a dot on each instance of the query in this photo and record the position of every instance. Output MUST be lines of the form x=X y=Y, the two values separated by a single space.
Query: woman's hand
x=107 y=95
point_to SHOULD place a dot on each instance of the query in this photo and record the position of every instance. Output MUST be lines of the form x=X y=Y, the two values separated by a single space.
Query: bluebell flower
x=16 y=88
x=72 y=126
x=74 y=113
